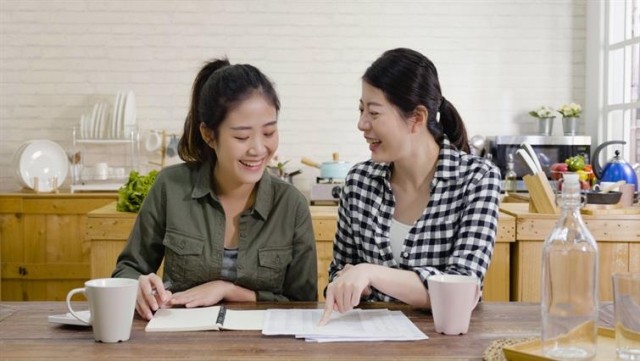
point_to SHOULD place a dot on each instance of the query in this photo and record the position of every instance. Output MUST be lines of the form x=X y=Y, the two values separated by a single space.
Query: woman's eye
x=241 y=138
x=373 y=114
x=270 y=134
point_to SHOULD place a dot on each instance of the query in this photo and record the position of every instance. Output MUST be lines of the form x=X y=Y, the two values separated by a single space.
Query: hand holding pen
x=152 y=295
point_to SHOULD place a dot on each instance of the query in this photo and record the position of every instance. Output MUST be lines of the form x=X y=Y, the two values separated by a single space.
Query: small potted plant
x=570 y=117
x=278 y=169
x=545 y=117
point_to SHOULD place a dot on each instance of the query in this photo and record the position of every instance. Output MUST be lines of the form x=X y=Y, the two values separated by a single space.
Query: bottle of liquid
x=570 y=282
x=510 y=181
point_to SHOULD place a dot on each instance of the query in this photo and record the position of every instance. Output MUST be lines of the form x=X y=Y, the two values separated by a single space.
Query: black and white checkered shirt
x=454 y=235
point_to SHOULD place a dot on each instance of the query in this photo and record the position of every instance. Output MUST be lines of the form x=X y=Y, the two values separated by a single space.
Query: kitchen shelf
x=105 y=141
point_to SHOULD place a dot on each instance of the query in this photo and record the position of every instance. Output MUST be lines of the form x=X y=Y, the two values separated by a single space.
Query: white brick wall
x=497 y=59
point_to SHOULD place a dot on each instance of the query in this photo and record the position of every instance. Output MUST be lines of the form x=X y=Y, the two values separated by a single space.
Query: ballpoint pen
x=166 y=285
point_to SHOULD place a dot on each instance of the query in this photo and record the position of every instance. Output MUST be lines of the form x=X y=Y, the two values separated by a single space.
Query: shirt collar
x=448 y=161
x=264 y=195
x=202 y=186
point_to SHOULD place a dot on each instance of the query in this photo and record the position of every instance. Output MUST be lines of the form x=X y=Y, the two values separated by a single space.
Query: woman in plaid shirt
x=421 y=205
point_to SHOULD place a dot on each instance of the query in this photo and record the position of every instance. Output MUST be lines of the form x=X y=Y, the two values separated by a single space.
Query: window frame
x=599 y=108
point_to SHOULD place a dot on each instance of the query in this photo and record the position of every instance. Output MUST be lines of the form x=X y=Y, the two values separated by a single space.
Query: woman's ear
x=207 y=135
x=420 y=116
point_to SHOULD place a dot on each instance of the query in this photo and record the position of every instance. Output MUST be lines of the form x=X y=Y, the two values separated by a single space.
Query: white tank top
x=397 y=234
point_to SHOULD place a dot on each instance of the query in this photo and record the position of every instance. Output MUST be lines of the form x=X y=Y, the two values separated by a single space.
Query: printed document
x=355 y=325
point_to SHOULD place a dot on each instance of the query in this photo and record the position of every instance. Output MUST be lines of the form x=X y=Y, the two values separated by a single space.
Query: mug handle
x=69 y=296
x=153 y=141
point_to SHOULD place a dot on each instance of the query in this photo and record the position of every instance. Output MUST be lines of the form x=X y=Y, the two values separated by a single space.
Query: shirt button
x=182 y=244
x=405 y=254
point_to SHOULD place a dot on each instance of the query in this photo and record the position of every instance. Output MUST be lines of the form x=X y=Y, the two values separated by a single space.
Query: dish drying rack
x=84 y=177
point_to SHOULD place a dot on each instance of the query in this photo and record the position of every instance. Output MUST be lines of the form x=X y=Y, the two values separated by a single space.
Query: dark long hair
x=409 y=79
x=217 y=89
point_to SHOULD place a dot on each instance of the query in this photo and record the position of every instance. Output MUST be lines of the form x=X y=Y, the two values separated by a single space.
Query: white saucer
x=68 y=319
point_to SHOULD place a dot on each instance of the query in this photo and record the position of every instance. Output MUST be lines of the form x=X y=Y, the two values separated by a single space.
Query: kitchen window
x=613 y=73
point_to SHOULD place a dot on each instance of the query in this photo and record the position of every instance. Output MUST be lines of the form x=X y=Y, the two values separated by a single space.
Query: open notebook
x=355 y=325
x=204 y=319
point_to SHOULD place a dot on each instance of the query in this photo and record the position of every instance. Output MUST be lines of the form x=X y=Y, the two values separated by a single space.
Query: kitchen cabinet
x=108 y=230
x=43 y=251
x=617 y=235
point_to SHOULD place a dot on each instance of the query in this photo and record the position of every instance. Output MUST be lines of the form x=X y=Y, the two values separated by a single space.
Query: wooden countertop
x=319 y=212
x=29 y=194
x=26 y=334
x=521 y=210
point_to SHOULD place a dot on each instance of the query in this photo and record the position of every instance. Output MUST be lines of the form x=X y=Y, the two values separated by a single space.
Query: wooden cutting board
x=609 y=209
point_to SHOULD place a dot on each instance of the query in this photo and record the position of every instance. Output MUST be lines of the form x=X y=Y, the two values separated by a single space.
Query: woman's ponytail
x=453 y=126
x=192 y=147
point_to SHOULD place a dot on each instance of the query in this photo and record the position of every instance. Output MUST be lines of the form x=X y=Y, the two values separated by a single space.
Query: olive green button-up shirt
x=183 y=222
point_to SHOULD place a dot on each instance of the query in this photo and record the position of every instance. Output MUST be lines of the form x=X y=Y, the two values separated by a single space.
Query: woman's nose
x=363 y=123
x=257 y=146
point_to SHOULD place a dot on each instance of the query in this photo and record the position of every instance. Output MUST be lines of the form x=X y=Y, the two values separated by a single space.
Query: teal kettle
x=616 y=169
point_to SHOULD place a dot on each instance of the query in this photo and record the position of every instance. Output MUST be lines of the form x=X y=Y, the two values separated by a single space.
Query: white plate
x=93 y=121
x=43 y=159
x=115 y=117
x=15 y=162
x=123 y=96
x=98 y=125
x=129 y=114
x=103 y=121
x=69 y=319
x=81 y=126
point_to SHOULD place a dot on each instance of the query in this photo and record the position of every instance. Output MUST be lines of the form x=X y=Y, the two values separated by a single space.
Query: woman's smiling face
x=247 y=140
x=385 y=130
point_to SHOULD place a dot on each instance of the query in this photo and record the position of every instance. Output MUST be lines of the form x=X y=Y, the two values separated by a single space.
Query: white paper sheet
x=355 y=325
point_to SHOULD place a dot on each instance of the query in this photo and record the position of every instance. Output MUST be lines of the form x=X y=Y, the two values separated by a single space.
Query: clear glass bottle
x=510 y=178
x=570 y=282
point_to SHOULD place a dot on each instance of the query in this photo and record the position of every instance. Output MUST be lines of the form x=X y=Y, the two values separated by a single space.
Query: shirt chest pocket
x=272 y=267
x=183 y=257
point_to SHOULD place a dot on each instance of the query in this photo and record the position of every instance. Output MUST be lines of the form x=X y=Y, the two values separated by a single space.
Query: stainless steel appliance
x=326 y=191
x=549 y=149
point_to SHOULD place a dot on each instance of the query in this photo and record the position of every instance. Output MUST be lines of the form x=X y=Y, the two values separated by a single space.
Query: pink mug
x=453 y=297
x=628 y=192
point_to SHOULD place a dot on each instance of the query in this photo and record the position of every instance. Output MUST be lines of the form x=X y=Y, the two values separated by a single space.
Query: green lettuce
x=131 y=195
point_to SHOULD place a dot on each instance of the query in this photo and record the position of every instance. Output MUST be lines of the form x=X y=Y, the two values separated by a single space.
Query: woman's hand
x=206 y=294
x=151 y=295
x=349 y=285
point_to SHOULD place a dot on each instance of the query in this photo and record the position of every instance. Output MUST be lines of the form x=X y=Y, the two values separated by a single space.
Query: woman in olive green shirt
x=226 y=229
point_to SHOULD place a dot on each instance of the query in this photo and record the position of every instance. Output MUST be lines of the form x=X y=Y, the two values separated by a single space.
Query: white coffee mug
x=112 y=303
x=453 y=297
x=602 y=185
x=101 y=171
x=153 y=141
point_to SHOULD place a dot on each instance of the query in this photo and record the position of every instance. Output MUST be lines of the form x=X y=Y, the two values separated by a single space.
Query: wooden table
x=26 y=334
